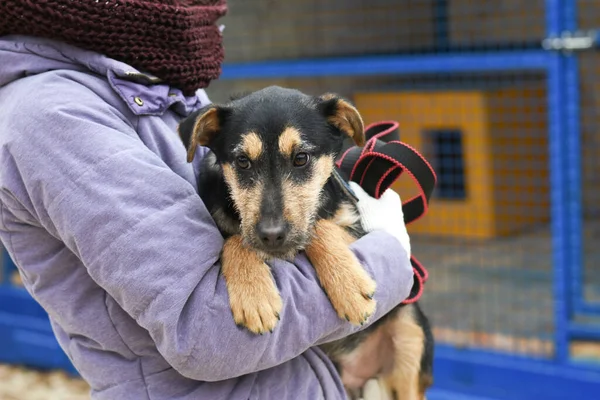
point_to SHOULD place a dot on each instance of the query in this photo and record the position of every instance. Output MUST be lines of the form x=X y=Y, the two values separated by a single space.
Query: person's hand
x=383 y=214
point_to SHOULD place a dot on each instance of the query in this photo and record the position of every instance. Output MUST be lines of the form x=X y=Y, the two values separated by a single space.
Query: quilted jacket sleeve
x=146 y=238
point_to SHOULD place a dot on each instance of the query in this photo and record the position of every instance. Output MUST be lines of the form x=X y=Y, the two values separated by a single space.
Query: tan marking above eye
x=301 y=200
x=252 y=145
x=289 y=140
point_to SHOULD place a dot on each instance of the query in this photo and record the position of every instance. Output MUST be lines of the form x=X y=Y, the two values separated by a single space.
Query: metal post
x=572 y=159
x=560 y=241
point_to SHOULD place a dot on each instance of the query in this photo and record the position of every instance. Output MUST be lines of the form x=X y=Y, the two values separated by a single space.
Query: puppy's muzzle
x=272 y=233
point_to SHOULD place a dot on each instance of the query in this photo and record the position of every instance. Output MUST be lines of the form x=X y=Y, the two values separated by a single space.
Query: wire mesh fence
x=487 y=238
x=267 y=29
x=586 y=270
x=590 y=153
x=589 y=66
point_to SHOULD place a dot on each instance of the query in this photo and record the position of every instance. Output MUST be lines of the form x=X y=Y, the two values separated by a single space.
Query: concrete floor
x=498 y=294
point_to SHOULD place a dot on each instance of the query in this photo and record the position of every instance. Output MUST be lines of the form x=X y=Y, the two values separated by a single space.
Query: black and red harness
x=377 y=165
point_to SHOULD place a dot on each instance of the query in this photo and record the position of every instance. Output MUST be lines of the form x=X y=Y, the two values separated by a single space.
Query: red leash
x=377 y=165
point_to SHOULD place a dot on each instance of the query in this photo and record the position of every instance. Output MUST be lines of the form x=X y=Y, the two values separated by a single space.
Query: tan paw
x=255 y=307
x=253 y=296
x=354 y=300
x=349 y=288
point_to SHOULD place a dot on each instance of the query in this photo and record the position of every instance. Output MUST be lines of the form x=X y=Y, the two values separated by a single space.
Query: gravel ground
x=18 y=383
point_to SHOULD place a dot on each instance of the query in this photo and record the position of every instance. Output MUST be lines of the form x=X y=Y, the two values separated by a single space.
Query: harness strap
x=377 y=165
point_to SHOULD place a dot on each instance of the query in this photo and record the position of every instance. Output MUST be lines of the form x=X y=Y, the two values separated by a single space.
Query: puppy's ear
x=344 y=116
x=200 y=128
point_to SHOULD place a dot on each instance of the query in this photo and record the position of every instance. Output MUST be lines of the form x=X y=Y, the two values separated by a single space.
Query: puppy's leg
x=349 y=287
x=406 y=381
x=253 y=296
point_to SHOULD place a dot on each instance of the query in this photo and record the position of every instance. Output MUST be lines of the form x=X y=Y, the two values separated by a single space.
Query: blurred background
x=501 y=97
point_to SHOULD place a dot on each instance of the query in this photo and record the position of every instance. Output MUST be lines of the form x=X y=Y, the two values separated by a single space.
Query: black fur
x=268 y=112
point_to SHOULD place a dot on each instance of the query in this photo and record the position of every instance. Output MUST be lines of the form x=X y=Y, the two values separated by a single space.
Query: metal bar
x=556 y=122
x=501 y=376
x=573 y=159
x=573 y=176
x=556 y=91
x=390 y=65
x=582 y=307
x=17 y=321
x=437 y=394
x=584 y=331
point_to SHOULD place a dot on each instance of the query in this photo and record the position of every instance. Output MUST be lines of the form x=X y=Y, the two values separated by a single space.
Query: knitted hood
x=176 y=40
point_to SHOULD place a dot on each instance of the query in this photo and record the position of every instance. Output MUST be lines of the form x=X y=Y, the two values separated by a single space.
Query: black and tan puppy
x=271 y=184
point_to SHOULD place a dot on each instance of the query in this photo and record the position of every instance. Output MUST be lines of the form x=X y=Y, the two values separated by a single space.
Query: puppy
x=272 y=187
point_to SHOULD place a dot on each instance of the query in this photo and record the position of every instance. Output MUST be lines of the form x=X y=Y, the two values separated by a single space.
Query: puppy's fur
x=272 y=187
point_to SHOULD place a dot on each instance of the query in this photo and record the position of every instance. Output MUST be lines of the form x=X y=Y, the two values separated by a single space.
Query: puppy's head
x=277 y=149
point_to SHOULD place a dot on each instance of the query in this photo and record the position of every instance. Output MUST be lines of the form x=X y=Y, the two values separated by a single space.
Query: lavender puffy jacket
x=99 y=210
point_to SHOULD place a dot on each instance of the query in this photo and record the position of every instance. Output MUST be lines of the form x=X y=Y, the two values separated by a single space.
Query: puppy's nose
x=272 y=233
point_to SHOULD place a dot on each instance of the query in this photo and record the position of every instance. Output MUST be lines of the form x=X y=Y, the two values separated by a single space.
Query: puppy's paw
x=353 y=300
x=253 y=296
x=349 y=288
x=257 y=306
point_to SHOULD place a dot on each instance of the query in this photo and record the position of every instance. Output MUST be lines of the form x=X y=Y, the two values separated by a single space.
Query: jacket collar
x=143 y=93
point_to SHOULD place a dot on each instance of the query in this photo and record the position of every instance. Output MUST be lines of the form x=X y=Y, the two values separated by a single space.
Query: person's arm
x=146 y=238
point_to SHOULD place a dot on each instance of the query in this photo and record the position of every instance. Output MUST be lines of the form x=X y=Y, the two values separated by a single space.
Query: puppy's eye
x=301 y=159
x=243 y=162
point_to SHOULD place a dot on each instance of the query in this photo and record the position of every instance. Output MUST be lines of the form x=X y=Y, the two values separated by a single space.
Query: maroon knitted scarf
x=175 y=40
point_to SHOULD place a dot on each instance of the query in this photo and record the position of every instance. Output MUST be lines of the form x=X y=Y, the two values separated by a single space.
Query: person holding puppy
x=99 y=210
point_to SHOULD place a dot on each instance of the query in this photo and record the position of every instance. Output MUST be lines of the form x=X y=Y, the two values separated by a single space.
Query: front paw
x=253 y=296
x=353 y=300
x=255 y=307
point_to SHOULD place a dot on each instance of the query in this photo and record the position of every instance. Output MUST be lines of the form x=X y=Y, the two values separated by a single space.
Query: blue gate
x=500 y=96
x=25 y=333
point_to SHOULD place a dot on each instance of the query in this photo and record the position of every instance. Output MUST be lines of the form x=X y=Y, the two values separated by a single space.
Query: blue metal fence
x=517 y=335
x=26 y=336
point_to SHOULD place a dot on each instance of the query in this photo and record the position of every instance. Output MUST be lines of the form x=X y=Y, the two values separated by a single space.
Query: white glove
x=383 y=214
